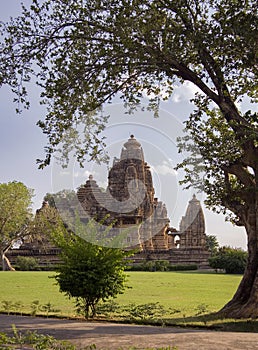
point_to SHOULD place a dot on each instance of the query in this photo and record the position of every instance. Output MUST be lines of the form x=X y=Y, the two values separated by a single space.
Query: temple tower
x=192 y=226
x=129 y=199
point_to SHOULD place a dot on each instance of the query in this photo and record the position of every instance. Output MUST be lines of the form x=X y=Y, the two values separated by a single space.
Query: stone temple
x=129 y=204
x=141 y=221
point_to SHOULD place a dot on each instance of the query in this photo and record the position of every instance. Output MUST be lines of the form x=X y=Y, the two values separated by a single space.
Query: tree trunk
x=244 y=303
x=6 y=265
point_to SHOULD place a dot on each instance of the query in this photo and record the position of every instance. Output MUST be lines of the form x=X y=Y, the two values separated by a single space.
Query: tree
x=47 y=219
x=212 y=244
x=83 y=53
x=15 y=216
x=229 y=259
x=88 y=272
x=53 y=199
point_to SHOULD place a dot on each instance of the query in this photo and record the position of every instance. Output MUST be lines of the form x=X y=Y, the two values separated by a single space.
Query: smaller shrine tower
x=192 y=226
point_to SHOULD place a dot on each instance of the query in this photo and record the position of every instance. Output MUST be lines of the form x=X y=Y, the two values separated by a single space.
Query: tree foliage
x=89 y=273
x=15 y=216
x=212 y=244
x=229 y=259
x=53 y=199
x=224 y=167
x=82 y=53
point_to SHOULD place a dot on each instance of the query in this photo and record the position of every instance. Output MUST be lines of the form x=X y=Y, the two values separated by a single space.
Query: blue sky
x=22 y=142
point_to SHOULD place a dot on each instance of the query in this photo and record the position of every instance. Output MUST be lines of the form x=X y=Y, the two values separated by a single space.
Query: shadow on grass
x=214 y=321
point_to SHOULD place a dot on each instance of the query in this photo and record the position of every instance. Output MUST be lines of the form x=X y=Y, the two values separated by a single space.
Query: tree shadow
x=215 y=321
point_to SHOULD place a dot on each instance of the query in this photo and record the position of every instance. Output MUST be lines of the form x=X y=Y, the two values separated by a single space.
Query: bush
x=161 y=265
x=231 y=260
x=26 y=263
x=145 y=312
x=148 y=266
x=88 y=273
x=151 y=265
x=186 y=267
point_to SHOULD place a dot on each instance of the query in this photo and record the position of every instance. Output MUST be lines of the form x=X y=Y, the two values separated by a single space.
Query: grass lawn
x=183 y=291
x=26 y=287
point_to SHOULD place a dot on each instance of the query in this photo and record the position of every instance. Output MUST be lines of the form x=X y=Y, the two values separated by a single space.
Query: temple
x=129 y=202
x=128 y=205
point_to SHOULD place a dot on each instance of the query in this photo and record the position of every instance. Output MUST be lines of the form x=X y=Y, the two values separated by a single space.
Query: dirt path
x=114 y=336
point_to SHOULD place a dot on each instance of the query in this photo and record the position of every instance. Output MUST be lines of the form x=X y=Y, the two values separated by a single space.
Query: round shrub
x=26 y=263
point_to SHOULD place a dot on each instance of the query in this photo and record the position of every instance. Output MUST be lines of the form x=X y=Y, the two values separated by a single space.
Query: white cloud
x=164 y=169
x=184 y=92
x=245 y=105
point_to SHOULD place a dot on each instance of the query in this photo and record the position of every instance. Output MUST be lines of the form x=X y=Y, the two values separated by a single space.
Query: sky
x=22 y=142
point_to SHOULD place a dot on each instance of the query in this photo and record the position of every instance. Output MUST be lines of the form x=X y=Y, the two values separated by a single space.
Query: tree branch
x=241 y=173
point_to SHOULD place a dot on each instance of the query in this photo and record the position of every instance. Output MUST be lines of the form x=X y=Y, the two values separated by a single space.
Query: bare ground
x=114 y=336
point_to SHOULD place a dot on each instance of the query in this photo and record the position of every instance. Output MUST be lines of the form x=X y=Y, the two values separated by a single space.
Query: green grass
x=25 y=287
x=188 y=292
x=181 y=290
x=178 y=290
